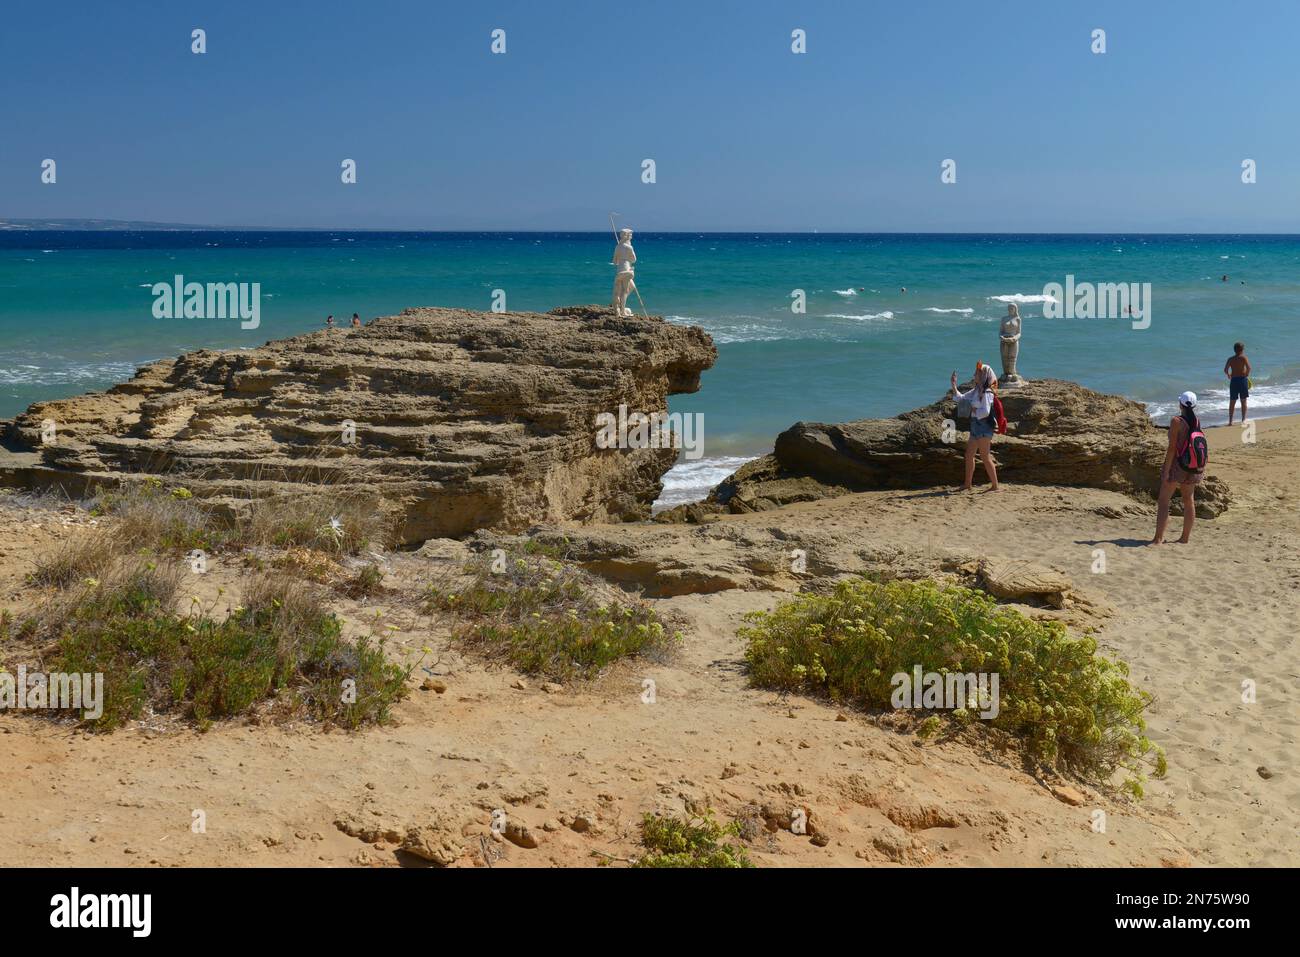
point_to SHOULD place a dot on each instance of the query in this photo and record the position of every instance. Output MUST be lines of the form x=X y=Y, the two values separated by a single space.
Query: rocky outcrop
x=455 y=420
x=1017 y=580
x=1059 y=433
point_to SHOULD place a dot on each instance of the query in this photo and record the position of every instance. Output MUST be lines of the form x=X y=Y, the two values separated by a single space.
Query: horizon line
x=146 y=226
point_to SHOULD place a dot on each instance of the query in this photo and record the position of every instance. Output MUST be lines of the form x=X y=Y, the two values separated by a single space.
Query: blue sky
x=745 y=134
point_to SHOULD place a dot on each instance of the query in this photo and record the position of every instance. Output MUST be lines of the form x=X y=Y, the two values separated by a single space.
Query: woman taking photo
x=982 y=426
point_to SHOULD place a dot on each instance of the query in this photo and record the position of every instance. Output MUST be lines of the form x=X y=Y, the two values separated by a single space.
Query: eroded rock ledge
x=1058 y=433
x=463 y=420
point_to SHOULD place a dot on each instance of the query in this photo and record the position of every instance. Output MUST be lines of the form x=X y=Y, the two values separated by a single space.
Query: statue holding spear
x=624 y=273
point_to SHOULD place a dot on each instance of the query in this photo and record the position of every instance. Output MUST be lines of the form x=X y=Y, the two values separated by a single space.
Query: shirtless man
x=1237 y=369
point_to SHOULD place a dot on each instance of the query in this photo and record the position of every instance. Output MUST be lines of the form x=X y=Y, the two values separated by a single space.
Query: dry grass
x=75 y=559
x=149 y=516
x=342 y=523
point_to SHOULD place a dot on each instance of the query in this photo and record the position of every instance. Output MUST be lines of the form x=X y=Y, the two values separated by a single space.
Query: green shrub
x=547 y=618
x=368 y=580
x=282 y=640
x=1075 y=709
x=697 y=842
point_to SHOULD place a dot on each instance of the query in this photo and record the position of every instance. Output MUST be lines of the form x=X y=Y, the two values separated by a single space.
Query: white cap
x=1188 y=399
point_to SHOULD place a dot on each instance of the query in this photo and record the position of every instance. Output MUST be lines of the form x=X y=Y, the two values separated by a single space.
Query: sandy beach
x=580 y=764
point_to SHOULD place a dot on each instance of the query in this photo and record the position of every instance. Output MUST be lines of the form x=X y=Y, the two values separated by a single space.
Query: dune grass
x=75 y=558
x=547 y=618
x=1074 y=709
x=152 y=516
x=337 y=522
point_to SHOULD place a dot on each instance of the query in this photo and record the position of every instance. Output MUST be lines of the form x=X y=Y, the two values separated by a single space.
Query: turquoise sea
x=76 y=310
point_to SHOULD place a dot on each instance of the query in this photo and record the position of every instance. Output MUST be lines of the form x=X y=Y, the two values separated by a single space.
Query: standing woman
x=982 y=426
x=1183 y=468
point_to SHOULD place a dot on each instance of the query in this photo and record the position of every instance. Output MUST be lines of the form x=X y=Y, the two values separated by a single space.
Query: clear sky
x=745 y=134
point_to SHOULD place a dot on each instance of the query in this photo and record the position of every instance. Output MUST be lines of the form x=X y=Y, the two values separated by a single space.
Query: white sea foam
x=964 y=312
x=846 y=292
x=25 y=374
x=865 y=316
x=734 y=329
x=1019 y=297
x=692 y=481
x=1212 y=405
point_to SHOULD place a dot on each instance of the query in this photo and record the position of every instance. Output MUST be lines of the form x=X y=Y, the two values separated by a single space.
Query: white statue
x=624 y=281
x=1009 y=339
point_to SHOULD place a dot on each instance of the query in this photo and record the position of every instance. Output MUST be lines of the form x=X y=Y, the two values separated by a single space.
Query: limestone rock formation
x=457 y=420
x=1016 y=580
x=1058 y=433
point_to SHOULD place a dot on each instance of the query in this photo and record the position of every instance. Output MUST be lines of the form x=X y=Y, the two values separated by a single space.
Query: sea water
x=887 y=317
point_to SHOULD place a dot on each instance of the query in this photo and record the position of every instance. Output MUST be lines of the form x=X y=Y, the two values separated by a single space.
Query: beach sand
x=1194 y=622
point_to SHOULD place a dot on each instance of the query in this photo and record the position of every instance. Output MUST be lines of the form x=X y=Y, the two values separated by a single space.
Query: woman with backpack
x=982 y=422
x=1184 y=467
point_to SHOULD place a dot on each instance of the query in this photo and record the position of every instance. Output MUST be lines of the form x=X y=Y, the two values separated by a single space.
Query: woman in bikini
x=1174 y=476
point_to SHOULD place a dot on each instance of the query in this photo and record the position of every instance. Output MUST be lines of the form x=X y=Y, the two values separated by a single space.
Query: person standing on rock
x=982 y=425
x=1183 y=468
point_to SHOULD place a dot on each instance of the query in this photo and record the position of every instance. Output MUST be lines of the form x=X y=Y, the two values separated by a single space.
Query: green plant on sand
x=697 y=842
x=1075 y=709
x=548 y=618
x=282 y=643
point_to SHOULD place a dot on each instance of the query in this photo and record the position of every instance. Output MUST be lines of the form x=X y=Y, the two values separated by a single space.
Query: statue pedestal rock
x=1009 y=341
x=624 y=274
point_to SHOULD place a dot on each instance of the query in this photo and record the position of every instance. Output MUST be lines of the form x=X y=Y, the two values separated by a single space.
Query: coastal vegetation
x=697 y=842
x=149 y=514
x=281 y=646
x=1073 y=709
x=115 y=608
x=547 y=618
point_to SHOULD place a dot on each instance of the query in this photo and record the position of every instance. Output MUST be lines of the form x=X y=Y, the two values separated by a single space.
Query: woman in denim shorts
x=982 y=426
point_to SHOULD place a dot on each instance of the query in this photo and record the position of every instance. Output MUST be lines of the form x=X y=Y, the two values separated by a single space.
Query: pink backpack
x=1195 y=449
